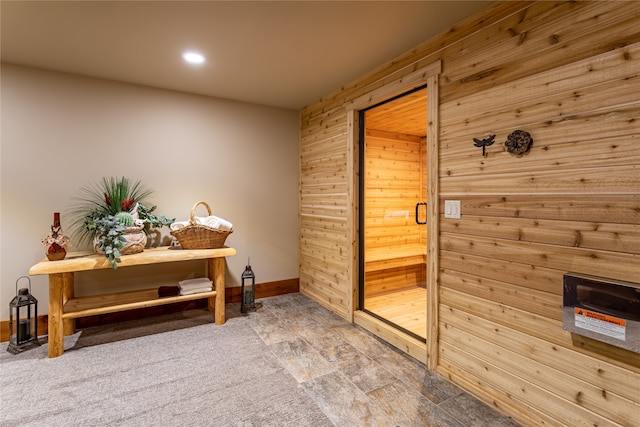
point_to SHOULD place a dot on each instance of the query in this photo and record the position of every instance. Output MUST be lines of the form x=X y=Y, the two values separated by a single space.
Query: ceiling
x=286 y=54
x=406 y=114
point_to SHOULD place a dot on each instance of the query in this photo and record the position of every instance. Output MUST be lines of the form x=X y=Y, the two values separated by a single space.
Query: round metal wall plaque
x=518 y=142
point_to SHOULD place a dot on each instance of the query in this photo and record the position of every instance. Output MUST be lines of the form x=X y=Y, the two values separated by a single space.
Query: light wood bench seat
x=385 y=258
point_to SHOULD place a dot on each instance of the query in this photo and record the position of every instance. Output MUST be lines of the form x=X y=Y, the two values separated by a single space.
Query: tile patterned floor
x=357 y=379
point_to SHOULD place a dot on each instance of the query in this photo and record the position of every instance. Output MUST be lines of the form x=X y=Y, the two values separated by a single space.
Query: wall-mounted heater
x=601 y=309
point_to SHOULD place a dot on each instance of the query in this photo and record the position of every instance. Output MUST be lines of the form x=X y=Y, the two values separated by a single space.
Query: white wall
x=61 y=132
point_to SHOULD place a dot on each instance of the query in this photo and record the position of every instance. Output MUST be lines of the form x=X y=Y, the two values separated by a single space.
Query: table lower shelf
x=122 y=301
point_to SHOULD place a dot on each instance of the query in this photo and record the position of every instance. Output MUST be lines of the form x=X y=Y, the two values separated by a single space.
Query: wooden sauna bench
x=64 y=308
x=377 y=259
x=394 y=268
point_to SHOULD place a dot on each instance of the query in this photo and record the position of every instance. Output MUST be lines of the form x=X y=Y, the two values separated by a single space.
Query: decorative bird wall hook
x=484 y=143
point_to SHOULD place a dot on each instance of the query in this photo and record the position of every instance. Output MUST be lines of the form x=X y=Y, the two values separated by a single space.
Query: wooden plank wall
x=393 y=172
x=392 y=189
x=568 y=73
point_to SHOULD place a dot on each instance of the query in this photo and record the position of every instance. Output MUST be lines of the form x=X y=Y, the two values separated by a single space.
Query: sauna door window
x=393 y=231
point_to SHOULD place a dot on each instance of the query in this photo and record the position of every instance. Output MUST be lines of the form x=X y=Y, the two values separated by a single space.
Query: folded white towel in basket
x=214 y=222
x=210 y=221
x=178 y=225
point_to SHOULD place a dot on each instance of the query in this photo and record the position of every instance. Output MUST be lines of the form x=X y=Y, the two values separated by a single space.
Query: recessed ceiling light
x=193 y=57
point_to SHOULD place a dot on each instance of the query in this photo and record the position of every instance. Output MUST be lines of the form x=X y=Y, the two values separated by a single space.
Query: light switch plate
x=452 y=209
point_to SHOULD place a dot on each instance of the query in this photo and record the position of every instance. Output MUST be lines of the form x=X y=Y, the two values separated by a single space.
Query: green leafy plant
x=152 y=220
x=104 y=210
x=110 y=232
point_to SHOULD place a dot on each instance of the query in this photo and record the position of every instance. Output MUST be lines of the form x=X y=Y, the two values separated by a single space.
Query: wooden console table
x=64 y=308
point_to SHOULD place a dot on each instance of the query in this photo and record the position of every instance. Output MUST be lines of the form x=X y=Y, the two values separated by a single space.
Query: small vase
x=56 y=252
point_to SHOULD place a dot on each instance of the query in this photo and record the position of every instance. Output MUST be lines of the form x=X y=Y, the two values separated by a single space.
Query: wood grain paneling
x=594 y=235
x=392 y=187
x=569 y=74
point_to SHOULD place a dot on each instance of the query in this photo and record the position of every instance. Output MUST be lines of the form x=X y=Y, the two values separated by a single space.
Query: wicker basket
x=198 y=236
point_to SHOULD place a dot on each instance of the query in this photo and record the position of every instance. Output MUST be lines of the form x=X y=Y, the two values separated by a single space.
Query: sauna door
x=393 y=231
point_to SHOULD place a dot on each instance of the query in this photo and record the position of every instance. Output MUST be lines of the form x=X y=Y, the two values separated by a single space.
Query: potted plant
x=114 y=214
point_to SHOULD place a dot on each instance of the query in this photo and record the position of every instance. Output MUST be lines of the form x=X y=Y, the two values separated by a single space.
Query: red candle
x=56 y=219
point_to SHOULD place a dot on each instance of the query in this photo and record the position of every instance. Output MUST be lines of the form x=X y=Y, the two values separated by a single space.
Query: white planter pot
x=136 y=240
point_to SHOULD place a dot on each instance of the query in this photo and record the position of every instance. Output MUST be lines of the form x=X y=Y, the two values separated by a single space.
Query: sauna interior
x=566 y=73
x=393 y=198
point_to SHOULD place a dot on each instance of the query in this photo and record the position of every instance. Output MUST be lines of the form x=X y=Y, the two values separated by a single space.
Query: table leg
x=56 y=338
x=216 y=274
x=68 y=290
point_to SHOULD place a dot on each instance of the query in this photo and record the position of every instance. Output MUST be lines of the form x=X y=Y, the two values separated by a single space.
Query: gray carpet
x=176 y=370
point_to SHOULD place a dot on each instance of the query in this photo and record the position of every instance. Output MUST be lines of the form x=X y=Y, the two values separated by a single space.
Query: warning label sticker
x=601 y=323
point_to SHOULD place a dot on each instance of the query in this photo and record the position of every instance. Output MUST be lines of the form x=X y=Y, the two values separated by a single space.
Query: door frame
x=426 y=75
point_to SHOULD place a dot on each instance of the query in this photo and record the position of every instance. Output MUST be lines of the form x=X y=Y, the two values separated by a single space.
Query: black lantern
x=248 y=302
x=23 y=320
